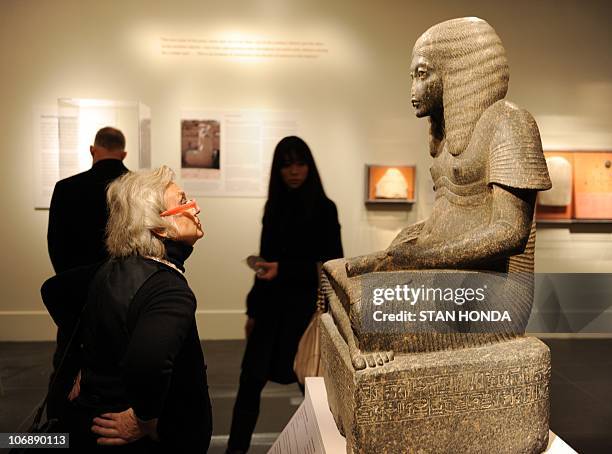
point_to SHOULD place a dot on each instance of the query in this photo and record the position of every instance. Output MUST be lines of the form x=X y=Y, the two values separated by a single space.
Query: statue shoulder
x=515 y=151
x=513 y=121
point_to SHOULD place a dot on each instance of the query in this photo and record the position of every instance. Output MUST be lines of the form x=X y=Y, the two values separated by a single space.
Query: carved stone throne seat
x=444 y=392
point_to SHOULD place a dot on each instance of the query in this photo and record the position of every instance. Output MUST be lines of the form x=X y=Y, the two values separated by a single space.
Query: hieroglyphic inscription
x=430 y=396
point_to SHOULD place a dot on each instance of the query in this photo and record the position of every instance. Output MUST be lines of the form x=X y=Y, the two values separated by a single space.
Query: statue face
x=426 y=92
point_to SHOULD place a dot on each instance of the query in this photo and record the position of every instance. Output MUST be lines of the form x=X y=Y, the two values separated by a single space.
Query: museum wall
x=351 y=101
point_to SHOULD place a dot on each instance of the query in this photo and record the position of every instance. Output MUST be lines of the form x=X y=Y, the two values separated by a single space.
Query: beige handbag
x=308 y=356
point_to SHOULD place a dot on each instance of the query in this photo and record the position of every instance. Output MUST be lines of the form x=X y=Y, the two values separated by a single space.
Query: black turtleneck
x=177 y=253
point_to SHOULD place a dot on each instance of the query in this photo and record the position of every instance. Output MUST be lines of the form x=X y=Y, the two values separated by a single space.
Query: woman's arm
x=163 y=313
x=331 y=240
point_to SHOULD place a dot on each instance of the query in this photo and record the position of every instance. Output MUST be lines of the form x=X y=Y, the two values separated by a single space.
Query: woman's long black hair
x=289 y=150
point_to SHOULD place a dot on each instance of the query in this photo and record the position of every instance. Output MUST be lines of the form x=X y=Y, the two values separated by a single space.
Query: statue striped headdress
x=470 y=58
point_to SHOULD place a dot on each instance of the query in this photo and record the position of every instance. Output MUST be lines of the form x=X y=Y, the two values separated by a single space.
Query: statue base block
x=491 y=398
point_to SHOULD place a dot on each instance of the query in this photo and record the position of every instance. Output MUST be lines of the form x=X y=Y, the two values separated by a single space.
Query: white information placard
x=63 y=134
x=229 y=153
x=46 y=153
x=312 y=429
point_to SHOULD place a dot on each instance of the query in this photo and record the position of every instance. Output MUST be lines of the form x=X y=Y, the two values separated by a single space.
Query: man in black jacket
x=75 y=238
x=78 y=212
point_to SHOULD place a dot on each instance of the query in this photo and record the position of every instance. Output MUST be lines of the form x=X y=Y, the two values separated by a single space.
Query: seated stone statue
x=487 y=168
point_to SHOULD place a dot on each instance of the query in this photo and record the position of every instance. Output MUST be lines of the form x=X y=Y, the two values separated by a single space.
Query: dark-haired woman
x=300 y=230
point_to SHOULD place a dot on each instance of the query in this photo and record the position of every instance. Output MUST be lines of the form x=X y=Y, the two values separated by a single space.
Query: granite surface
x=492 y=398
x=450 y=387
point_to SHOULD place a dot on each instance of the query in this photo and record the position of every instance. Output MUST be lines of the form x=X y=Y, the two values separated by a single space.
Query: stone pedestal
x=485 y=399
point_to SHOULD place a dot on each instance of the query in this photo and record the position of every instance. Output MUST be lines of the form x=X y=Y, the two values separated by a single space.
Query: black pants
x=246 y=411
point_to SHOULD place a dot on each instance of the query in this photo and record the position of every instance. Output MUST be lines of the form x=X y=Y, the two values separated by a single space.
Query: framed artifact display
x=557 y=203
x=390 y=184
x=582 y=187
x=200 y=144
x=593 y=185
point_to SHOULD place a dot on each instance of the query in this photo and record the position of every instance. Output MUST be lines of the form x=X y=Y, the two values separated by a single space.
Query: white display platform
x=558 y=446
x=312 y=429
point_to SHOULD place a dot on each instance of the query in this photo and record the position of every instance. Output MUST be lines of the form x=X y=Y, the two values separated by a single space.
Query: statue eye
x=421 y=73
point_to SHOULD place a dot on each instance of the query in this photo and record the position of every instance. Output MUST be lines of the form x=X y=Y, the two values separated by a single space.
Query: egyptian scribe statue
x=487 y=168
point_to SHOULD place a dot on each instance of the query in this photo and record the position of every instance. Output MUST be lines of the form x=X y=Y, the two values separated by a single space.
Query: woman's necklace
x=165 y=262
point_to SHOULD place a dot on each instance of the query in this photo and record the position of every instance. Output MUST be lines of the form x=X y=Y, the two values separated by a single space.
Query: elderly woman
x=143 y=377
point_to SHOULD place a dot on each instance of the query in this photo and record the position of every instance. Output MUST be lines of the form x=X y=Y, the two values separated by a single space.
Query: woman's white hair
x=135 y=201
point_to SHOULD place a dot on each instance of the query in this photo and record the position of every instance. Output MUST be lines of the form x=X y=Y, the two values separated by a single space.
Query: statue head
x=459 y=69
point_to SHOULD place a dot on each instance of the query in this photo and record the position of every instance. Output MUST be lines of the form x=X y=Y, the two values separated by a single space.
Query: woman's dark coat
x=299 y=237
x=137 y=346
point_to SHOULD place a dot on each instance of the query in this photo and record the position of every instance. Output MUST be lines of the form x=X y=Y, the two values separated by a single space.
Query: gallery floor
x=581 y=391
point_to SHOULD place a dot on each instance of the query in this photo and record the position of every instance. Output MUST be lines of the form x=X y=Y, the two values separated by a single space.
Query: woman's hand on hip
x=267 y=270
x=121 y=428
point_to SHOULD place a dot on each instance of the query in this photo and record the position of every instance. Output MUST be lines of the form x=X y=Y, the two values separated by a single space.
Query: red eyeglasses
x=180 y=209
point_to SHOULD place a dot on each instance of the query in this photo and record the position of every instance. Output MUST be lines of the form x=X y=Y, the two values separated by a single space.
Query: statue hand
x=363 y=264
x=402 y=256
x=399 y=256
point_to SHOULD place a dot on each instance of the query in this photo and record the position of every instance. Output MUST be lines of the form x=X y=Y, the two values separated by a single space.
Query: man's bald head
x=110 y=138
x=109 y=143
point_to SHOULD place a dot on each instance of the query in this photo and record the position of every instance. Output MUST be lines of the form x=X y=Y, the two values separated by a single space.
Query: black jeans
x=246 y=411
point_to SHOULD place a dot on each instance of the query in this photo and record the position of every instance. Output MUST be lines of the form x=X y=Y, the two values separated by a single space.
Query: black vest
x=106 y=327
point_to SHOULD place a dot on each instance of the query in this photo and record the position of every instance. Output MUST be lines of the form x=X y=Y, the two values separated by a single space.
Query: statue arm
x=517 y=170
x=506 y=235
x=370 y=262
x=407 y=234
